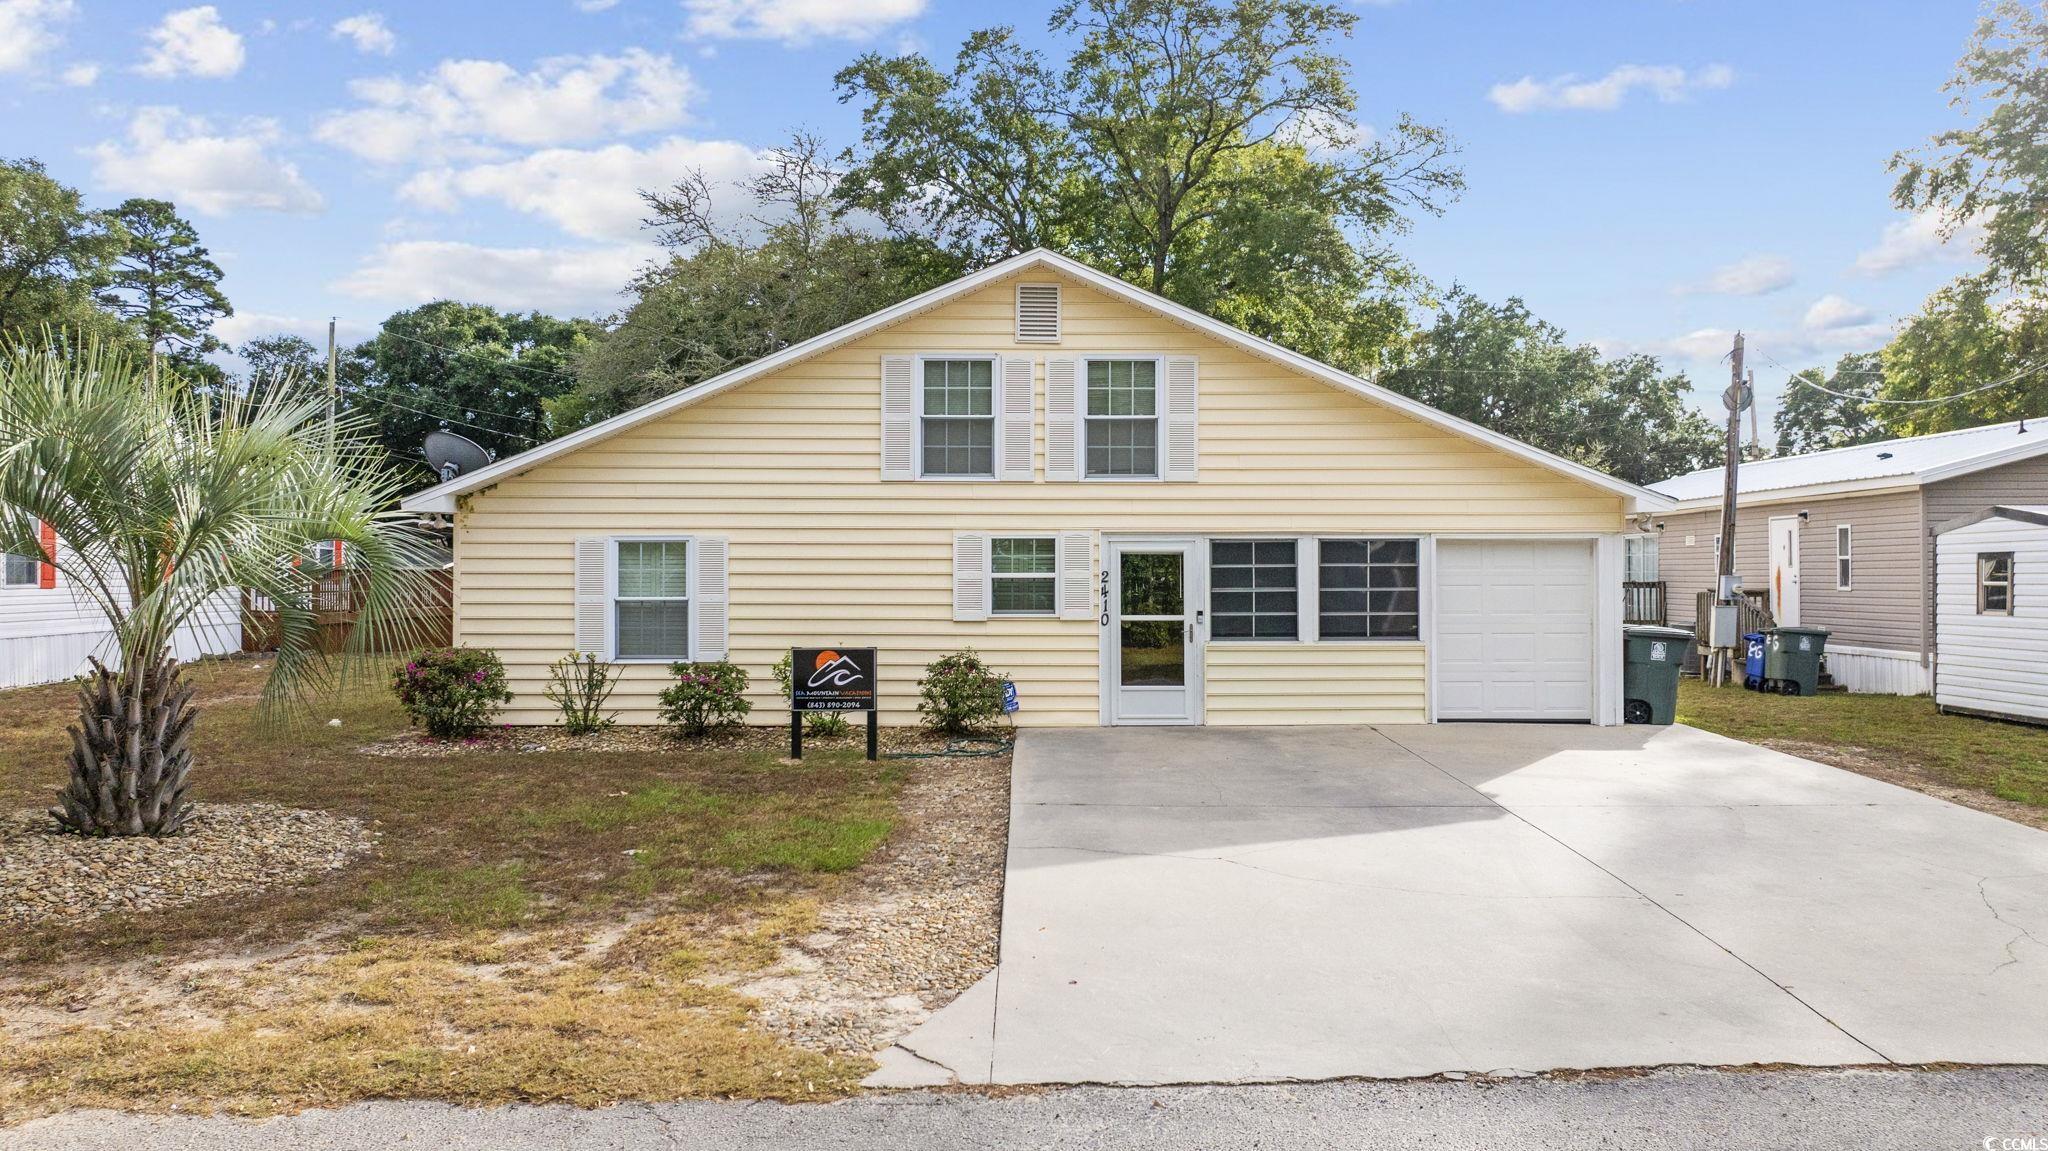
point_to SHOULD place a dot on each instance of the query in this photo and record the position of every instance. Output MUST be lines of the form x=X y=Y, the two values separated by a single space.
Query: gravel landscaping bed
x=921 y=926
x=891 y=741
x=48 y=876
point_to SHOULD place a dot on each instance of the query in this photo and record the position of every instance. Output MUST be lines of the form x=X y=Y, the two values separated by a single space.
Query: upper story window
x=1994 y=583
x=651 y=603
x=958 y=422
x=1122 y=417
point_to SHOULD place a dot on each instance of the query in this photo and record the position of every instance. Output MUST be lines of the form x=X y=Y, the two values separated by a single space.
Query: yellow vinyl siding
x=824 y=551
x=1283 y=683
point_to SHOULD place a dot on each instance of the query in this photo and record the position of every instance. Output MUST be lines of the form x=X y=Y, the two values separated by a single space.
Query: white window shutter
x=711 y=594
x=593 y=594
x=1077 y=575
x=1183 y=404
x=1013 y=420
x=1062 y=418
x=899 y=417
x=970 y=576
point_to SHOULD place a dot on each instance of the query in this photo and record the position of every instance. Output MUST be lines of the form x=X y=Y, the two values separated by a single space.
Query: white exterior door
x=1785 y=569
x=1515 y=623
x=1153 y=650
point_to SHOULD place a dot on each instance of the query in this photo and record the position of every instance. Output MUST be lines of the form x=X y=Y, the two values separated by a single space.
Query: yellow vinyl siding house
x=1297 y=546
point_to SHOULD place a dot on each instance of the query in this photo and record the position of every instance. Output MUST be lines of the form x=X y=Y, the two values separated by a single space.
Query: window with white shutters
x=651 y=600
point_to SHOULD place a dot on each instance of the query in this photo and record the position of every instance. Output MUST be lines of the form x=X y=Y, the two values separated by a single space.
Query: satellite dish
x=452 y=455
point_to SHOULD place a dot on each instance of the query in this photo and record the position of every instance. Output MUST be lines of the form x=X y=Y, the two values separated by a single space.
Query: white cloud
x=244 y=326
x=596 y=5
x=574 y=281
x=27 y=30
x=80 y=75
x=1667 y=82
x=1912 y=242
x=590 y=193
x=797 y=21
x=193 y=42
x=1832 y=312
x=468 y=108
x=184 y=159
x=368 y=31
x=1749 y=276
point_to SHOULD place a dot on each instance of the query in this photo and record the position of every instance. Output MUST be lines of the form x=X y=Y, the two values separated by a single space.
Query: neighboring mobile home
x=1991 y=614
x=1843 y=539
x=1138 y=513
x=48 y=631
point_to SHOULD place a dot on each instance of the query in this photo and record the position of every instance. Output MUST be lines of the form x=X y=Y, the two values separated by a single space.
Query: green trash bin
x=1652 y=657
x=1792 y=659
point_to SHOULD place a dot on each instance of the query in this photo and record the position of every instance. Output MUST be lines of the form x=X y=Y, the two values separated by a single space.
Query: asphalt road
x=1866 y=1110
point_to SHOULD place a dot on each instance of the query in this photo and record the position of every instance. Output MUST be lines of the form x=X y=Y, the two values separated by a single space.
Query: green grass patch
x=2006 y=760
x=493 y=895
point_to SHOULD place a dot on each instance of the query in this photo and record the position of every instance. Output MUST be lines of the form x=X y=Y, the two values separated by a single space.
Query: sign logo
x=832 y=679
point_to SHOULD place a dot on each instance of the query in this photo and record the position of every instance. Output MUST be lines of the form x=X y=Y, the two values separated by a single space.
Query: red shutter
x=337 y=554
x=47 y=577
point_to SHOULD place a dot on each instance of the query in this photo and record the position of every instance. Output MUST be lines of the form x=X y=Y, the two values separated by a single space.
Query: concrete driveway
x=1208 y=905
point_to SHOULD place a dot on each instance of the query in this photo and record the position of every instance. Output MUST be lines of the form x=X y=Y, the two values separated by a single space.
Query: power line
x=500 y=361
x=1793 y=378
x=447 y=419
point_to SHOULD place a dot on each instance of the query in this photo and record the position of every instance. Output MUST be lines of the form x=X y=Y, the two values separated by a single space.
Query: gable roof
x=2026 y=514
x=1912 y=461
x=441 y=497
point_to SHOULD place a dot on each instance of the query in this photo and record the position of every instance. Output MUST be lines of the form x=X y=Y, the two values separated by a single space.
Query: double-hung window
x=1369 y=589
x=1252 y=590
x=1022 y=573
x=1842 y=557
x=651 y=600
x=1994 y=583
x=958 y=422
x=1122 y=418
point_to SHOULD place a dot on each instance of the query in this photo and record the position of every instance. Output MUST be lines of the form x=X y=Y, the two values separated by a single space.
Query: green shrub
x=959 y=694
x=579 y=684
x=453 y=692
x=705 y=696
x=815 y=722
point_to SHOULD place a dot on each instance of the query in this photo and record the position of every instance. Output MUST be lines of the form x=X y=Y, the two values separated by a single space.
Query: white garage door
x=1514 y=629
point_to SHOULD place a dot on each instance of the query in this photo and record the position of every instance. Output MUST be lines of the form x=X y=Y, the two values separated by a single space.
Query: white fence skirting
x=33 y=659
x=1876 y=671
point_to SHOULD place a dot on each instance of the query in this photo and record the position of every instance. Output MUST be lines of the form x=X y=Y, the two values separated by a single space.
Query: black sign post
x=831 y=679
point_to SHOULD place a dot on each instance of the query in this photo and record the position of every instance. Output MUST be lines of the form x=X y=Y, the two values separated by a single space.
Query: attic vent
x=1038 y=313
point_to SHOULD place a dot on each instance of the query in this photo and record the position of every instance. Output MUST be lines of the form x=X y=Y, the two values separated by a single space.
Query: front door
x=1785 y=569
x=1154 y=645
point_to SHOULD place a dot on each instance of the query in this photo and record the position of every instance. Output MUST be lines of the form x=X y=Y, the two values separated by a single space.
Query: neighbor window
x=1123 y=417
x=1021 y=575
x=652 y=604
x=1369 y=589
x=1252 y=590
x=23 y=571
x=1842 y=557
x=1994 y=583
x=959 y=418
x=1639 y=558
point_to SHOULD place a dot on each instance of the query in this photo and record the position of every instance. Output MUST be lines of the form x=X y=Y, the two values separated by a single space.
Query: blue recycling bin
x=1753 y=661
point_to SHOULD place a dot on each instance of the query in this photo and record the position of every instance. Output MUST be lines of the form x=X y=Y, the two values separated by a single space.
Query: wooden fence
x=336 y=603
x=1642 y=601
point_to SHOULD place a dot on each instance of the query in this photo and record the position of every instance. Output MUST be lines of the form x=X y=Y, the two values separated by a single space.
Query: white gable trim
x=441 y=497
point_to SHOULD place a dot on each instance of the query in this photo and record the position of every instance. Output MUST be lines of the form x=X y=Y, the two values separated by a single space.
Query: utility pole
x=333 y=392
x=1736 y=398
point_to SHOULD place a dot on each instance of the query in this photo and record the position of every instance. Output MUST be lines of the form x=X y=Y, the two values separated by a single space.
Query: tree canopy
x=163 y=281
x=1811 y=419
x=1502 y=368
x=55 y=255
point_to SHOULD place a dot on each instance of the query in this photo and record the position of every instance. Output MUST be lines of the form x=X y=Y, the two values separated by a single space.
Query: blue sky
x=1649 y=175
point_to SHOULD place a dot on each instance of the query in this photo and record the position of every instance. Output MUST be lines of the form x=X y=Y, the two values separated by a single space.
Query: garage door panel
x=1514 y=629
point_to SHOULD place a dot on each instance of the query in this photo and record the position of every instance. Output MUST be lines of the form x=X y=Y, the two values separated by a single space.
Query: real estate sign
x=832 y=679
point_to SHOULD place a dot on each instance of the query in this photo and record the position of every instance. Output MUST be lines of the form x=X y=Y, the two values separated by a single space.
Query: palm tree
x=169 y=502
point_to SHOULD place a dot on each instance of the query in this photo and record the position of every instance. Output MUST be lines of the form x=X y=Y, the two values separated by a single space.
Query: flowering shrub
x=815 y=722
x=579 y=684
x=705 y=696
x=451 y=691
x=960 y=694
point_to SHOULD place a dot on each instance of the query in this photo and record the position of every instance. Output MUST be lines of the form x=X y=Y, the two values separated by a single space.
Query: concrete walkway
x=1882 y=1111
x=1195 y=906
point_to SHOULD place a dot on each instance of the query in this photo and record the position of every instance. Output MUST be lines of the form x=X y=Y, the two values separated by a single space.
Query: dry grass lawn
x=557 y=925
x=1997 y=767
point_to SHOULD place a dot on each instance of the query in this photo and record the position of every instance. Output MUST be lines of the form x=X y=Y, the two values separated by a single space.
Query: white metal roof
x=441 y=497
x=1912 y=461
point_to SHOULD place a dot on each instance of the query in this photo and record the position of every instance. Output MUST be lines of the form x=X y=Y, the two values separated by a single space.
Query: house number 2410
x=1105 y=597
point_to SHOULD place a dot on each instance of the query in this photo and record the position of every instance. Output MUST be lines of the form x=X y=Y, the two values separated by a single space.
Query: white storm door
x=1514 y=629
x=1154 y=646
x=1785 y=569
